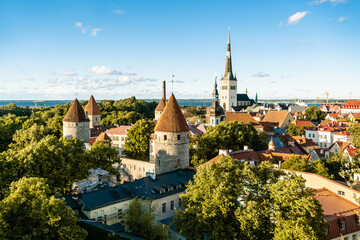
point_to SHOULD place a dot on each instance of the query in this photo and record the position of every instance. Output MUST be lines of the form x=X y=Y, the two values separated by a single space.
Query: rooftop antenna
x=172 y=82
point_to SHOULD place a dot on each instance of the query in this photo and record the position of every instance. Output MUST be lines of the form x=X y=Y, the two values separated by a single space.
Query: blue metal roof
x=146 y=187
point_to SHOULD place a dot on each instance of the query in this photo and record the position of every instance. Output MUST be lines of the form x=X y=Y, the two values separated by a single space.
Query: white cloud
x=341 y=19
x=83 y=29
x=335 y=2
x=68 y=74
x=296 y=18
x=102 y=70
x=261 y=75
x=280 y=24
x=94 y=31
x=119 y=11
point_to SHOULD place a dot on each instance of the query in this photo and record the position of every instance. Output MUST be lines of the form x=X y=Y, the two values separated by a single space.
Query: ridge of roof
x=172 y=119
x=75 y=113
x=92 y=108
x=161 y=105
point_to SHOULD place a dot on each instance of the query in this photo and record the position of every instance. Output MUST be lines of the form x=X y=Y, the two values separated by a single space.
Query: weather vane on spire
x=172 y=82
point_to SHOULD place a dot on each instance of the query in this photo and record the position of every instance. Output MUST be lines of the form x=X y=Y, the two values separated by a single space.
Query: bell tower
x=228 y=84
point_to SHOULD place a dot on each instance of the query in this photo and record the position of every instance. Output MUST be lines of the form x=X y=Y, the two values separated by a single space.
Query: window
x=122 y=138
x=170 y=189
x=165 y=137
x=120 y=214
x=354 y=237
x=313 y=135
x=179 y=137
x=342 y=225
x=162 y=191
x=224 y=87
x=341 y=193
x=164 y=207
x=178 y=186
x=172 y=205
x=309 y=135
x=179 y=202
x=232 y=87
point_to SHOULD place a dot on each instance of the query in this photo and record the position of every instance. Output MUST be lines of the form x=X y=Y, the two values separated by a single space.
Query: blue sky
x=62 y=49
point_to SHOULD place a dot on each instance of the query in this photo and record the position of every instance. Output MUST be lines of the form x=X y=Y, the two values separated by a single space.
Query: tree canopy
x=137 y=141
x=140 y=219
x=30 y=212
x=235 y=200
x=313 y=113
x=226 y=135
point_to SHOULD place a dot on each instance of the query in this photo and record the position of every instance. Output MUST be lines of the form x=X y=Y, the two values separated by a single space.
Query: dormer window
x=162 y=191
x=178 y=186
x=342 y=225
x=170 y=189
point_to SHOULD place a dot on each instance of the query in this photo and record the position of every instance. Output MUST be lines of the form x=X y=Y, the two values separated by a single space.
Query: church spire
x=215 y=92
x=228 y=67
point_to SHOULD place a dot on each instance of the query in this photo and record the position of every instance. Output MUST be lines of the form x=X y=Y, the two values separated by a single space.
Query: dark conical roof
x=172 y=119
x=92 y=108
x=76 y=113
x=161 y=105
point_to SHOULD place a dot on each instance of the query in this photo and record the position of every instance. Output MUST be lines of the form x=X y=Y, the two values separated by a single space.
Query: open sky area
x=62 y=49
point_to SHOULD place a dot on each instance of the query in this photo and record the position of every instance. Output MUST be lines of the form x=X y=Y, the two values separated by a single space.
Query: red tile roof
x=276 y=117
x=122 y=130
x=103 y=137
x=302 y=123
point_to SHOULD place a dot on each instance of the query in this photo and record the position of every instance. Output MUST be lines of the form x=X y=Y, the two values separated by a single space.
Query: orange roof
x=304 y=142
x=76 y=113
x=240 y=117
x=172 y=119
x=356 y=115
x=302 y=123
x=161 y=105
x=103 y=137
x=122 y=130
x=92 y=108
x=276 y=117
x=333 y=204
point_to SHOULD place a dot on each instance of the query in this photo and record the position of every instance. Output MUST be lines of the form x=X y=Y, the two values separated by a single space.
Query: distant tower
x=92 y=111
x=215 y=113
x=228 y=84
x=76 y=124
x=169 y=149
x=256 y=98
x=160 y=107
x=271 y=145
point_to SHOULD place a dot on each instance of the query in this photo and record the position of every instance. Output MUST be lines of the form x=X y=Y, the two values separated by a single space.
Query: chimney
x=246 y=147
x=279 y=164
x=223 y=151
x=164 y=90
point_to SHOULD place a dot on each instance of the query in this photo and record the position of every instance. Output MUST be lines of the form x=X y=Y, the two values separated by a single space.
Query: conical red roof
x=76 y=113
x=161 y=105
x=103 y=137
x=92 y=108
x=172 y=119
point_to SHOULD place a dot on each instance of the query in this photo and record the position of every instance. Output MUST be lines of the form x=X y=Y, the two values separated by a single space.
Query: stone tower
x=215 y=113
x=92 y=111
x=228 y=84
x=169 y=149
x=160 y=107
x=76 y=124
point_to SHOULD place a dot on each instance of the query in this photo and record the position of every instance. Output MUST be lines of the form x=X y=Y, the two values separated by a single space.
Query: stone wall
x=170 y=151
x=95 y=120
x=80 y=130
x=137 y=168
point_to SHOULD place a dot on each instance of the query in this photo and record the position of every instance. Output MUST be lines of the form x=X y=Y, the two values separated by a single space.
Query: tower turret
x=228 y=83
x=92 y=111
x=215 y=113
x=169 y=149
x=76 y=124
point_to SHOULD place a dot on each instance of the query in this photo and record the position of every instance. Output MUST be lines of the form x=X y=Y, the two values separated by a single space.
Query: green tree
x=313 y=113
x=355 y=135
x=226 y=135
x=8 y=126
x=29 y=212
x=296 y=163
x=137 y=142
x=140 y=219
x=319 y=167
x=293 y=130
x=102 y=155
x=235 y=200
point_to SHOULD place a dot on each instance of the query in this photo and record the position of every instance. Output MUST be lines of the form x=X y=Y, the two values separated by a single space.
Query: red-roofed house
x=351 y=107
x=118 y=136
x=331 y=108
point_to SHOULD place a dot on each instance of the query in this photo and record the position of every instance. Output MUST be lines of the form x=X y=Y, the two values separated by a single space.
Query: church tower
x=92 y=111
x=215 y=113
x=169 y=149
x=76 y=124
x=228 y=84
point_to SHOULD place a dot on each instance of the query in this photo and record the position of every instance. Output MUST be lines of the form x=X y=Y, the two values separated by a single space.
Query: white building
x=118 y=137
